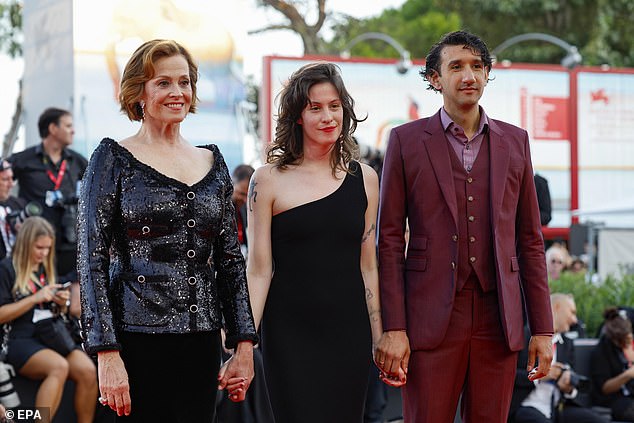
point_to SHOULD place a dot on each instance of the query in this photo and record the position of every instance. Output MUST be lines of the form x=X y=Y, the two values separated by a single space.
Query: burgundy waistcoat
x=475 y=247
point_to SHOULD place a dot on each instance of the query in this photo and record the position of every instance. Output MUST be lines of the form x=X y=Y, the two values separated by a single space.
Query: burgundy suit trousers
x=473 y=360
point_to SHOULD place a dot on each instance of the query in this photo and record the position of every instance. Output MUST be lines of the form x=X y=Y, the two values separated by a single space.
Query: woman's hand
x=237 y=373
x=113 y=382
x=396 y=381
x=61 y=297
x=46 y=294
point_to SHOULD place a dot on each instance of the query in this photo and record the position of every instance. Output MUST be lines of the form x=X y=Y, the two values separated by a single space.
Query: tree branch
x=270 y=28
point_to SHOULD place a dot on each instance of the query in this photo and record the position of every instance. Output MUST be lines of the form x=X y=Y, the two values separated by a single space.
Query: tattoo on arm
x=252 y=193
x=368 y=294
x=368 y=233
x=375 y=315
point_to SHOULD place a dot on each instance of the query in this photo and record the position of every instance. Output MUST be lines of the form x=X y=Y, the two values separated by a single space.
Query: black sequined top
x=157 y=255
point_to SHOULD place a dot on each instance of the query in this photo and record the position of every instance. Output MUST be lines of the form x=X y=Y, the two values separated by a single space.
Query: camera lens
x=8 y=397
x=32 y=209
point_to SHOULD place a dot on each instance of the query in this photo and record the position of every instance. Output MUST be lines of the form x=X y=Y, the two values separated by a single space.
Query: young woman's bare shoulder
x=369 y=174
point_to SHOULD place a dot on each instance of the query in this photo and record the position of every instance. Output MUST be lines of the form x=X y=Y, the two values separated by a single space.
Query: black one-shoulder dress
x=316 y=339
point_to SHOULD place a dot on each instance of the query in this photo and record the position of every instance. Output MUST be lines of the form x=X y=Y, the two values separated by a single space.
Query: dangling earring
x=341 y=146
x=142 y=104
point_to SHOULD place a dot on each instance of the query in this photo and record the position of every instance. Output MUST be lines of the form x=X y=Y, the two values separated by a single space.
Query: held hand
x=395 y=381
x=392 y=354
x=540 y=348
x=237 y=373
x=113 y=382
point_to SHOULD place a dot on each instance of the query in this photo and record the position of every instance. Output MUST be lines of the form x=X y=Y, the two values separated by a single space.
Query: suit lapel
x=499 y=163
x=438 y=150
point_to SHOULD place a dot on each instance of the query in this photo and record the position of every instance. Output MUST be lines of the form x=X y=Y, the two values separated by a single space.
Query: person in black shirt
x=543 y=199
x=8 y=206
x=48 y=173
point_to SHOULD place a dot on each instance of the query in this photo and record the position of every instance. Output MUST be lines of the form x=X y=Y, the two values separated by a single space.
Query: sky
x=254 y=47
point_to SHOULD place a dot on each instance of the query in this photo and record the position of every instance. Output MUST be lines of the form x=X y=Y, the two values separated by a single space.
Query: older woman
x=159 y=261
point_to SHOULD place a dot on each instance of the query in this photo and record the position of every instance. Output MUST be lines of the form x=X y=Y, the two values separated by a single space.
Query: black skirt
x=173 y=377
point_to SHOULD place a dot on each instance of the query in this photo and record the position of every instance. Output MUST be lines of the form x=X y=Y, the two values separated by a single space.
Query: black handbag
x=54 y=333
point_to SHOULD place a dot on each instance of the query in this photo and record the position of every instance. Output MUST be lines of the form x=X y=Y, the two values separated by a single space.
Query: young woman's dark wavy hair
x=287 y=147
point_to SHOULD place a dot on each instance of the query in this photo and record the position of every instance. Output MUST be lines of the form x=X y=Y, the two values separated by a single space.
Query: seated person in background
x=612 y=370
x=540 y=400
x=577 y=265
x=557 y=259
x=29 y=293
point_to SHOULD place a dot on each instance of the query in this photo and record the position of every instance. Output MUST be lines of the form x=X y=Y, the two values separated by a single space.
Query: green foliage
x=11 y=27
x=416 y=26
x=600 y=29
x=593 y=298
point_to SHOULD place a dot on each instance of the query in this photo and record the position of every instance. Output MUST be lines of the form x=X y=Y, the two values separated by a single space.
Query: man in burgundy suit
x=452 y=296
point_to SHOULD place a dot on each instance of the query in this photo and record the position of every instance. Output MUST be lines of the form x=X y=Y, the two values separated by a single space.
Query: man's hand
x=237 y=373
x=392 y=353
x=541 y=348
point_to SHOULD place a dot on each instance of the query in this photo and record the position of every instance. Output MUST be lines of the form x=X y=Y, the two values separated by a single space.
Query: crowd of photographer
x=602 y=391
x=39 y=303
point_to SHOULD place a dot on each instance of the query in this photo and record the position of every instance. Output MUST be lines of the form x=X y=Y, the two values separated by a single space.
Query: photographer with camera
x=553 y=397
x=35 y=305
x=48 y=174
x=613 y=366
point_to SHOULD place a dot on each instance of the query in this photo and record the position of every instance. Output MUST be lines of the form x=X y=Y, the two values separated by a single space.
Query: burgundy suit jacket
x=417 y=186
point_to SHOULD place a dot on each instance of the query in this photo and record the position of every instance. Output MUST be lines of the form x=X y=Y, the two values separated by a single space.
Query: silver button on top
x=191 y=223
x=145 y=229
x=191 y=253
x=470 y=198
x=191 y=280
x=191 y=195
x=140 y=278
x=469 y=179
x=471 y=218
x=193 y=308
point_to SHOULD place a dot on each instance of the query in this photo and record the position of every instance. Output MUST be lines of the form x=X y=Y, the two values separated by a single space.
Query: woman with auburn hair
x=29 y=293
x=160 y=266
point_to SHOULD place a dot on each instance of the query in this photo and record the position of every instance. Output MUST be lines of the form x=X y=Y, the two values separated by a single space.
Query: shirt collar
x=39 y=150
x=446 y=120
x=557 y=338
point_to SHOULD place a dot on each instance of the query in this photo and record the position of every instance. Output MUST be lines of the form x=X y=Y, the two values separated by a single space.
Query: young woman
x=311 y=218
x=29 y=293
